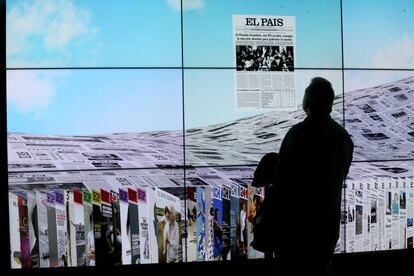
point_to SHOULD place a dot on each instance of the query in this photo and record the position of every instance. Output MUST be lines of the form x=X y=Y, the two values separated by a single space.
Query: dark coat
x=315 y=157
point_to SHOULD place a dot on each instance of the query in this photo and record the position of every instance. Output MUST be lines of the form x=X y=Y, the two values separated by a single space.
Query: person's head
x=319 y=97
x=244 y=206
x=171 y=216
x=216 y=213
x=167 y=212
x=266 y=171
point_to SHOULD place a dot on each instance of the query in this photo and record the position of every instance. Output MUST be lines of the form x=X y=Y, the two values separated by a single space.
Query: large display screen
x=135 y=127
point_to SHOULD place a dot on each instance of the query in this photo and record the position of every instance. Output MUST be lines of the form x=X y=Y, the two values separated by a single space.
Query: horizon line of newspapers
x=380 y=120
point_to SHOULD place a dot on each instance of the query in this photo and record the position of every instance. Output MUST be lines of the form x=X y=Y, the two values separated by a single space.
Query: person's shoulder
x=340 y=129
x=297 y=127
x=337 y=125
x=294 y=131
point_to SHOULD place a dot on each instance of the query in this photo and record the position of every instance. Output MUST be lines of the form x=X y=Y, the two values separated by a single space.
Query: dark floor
x=375 y=263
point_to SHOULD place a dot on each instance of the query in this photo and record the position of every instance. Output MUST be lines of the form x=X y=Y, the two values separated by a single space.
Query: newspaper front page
x=265 y=61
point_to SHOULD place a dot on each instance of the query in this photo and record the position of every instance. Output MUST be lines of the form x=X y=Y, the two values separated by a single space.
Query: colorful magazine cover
x=209 y=215
x=191 y=224
x=153 y=229
x=71 y=229
x=132 y=225
x=201 y=224
x=234 y=221
x=52 y=229
x=255 y=200
x=145 y=224
x=181 y=194
x=117 y=231
x=109 y=243
x=61 y=228
x=15 y=251
x=33 y=232
x=89 y=232
x=79 y=222
x=42 y=205
x=168 y=227
x=124 y=228
x=226 y=221
x=97 y=218
x=24 y=230
x=242 y=232
x=217 y=222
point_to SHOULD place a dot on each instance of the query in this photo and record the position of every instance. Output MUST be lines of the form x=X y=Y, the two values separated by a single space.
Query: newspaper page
x=395 y=210
x=366 y=228
x=265 y=60
x=340 y=244
x=381 y=215
x=374 y=215
x=403 y=213
x=359 y=200
x=388 y=216
x=410 y=213
x=350 y=222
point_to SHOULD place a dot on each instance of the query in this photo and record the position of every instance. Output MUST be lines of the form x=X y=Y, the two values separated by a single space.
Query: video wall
x=134 y=127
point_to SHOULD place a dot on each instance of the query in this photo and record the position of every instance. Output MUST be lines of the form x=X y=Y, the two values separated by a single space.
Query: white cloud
x=187 y=4
x=56 y=23
x=396 y=54
x=29 y=91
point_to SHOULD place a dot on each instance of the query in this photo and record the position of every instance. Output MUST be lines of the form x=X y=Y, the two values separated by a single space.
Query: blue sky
x=379 y=34
x=208 y=31
x=59 y=33
x=82 y=102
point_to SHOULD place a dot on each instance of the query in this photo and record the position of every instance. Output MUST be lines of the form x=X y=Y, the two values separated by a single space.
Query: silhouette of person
x=315 y=157
x=265 y=176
